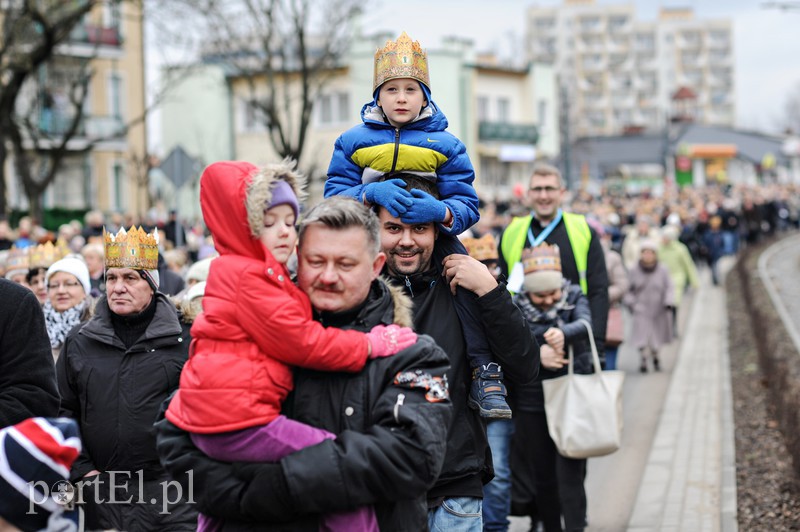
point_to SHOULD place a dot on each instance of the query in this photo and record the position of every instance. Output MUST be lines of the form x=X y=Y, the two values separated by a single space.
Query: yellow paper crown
x=541 y=258
x=17 y=259
x=484 y=248
x=44 y=255
x=402 y=58
x=135 y=249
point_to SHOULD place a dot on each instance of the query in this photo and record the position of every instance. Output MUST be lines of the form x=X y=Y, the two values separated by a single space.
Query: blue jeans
x=497 y=493
x=459 y=514
x=611 y=357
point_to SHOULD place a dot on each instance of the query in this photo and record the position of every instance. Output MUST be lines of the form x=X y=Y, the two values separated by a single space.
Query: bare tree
x=31 y=31
x=284 y=50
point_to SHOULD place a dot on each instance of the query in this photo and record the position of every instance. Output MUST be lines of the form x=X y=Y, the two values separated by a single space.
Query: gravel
x=768 y=493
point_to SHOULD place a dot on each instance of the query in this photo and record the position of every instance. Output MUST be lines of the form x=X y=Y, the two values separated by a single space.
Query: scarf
x=534 y=314
x=60 y=323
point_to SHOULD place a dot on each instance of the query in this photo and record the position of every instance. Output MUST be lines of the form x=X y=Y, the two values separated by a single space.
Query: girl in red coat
x=256 y=324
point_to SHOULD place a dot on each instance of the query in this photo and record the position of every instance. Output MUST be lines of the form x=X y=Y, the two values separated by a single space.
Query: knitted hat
x=282 y=194
x=35 y=458
x=74 y=266
x=196 y=290
x=648 y=243
x=199 y=270
x=152 y=277
x=482 y=249
x=542 y=268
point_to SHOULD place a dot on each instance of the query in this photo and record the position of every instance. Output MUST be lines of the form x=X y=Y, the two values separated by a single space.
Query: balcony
x=96 y=35
x=55 y=124
x=506 y=132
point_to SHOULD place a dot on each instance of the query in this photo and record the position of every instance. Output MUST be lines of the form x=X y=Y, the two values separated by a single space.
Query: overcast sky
x=766 y=40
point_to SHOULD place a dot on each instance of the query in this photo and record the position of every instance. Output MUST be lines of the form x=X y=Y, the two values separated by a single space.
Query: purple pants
x=270 y=443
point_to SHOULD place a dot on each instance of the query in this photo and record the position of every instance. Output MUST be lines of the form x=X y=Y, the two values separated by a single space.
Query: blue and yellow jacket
x=367 y=151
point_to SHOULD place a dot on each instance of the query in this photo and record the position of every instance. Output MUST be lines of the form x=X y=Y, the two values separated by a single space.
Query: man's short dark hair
x=341 y=212
x=414 y=181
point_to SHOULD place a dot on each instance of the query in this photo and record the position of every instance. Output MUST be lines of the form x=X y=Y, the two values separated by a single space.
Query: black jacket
x=115 y=394
x=27 y=376
x=468 y=462
x=391 y=425
x=565 y=314
x=596 y=274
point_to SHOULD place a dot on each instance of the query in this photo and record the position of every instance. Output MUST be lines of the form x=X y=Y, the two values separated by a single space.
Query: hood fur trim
x=403 y=315
x=259 y=190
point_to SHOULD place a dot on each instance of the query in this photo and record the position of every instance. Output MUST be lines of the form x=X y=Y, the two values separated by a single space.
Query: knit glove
x=386 y=340
x=424 y=209
x=391 y=194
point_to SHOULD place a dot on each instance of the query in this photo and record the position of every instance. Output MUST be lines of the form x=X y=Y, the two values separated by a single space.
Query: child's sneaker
x=488 y=393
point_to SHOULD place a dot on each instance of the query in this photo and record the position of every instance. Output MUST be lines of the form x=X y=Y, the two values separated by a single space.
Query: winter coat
x=649 y=297
x=27 y=377
x=617 y=275
x=468 y=462
x=115 y=393
x=364 y=153
x=390 y=421
x=678 y=261
x=255 y=323
x=565 y=315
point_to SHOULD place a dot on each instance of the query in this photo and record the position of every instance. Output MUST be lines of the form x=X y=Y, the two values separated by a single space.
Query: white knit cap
x=74 y=266
x=196 y=290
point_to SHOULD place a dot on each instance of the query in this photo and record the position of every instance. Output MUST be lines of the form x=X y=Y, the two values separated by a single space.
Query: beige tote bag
x=584 y=412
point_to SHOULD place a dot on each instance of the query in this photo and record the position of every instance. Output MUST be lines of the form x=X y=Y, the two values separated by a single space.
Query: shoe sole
x=490 y=414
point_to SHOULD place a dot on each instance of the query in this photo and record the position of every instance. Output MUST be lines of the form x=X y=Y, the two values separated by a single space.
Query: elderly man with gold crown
x=114 y=372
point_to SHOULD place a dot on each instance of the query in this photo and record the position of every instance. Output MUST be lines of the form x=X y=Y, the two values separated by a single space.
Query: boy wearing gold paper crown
x=554 y=309
x=403 y=132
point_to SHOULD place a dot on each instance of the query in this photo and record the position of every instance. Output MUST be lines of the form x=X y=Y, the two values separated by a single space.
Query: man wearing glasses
x=583 y=264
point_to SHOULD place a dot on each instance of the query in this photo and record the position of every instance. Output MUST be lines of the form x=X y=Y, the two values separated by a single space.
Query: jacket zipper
x=400 y=398
x=408 y=285
x=396 y=149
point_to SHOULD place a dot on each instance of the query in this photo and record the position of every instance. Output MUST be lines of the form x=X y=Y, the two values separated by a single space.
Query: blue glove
x=424 y=209
x=391 y=194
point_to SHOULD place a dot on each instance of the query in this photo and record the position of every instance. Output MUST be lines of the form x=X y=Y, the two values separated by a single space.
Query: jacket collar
x=165 y=323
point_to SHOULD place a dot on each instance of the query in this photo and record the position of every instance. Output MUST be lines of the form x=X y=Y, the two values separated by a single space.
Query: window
x=118 y=187
x=115 y=96
x=332 y=109
x=253 y=119
x=542 y=113
x=483 y=109
x=503 y=110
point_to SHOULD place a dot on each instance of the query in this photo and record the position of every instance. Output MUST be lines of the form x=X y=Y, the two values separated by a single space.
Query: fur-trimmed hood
x=233 y=195
x=403 y=306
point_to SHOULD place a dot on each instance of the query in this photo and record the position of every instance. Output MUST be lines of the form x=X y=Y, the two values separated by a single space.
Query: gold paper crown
x=484 y=248
x=541 y=258
x=17 y=259
x=135 y=249
x=402 y=58
x=44 y=255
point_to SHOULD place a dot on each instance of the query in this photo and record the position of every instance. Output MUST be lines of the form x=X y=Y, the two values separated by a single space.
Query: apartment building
x=103 y=169
x=619 y=72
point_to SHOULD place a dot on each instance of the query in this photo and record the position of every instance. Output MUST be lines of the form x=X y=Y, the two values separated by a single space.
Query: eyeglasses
x=66 y=284
x=545 y=190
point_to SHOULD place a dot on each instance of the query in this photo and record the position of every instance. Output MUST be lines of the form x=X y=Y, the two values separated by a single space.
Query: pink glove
x=386 y=340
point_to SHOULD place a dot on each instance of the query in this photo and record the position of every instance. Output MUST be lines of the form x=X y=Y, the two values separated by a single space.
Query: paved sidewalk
x=689 y=482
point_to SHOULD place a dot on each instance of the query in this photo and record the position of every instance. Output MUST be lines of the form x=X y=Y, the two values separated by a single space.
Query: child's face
x=401 y=100
x=545 y=300
x=279 y=234
x=648 y=256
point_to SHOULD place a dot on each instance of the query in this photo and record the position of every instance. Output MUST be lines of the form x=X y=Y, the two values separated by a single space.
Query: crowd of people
x=371 y=362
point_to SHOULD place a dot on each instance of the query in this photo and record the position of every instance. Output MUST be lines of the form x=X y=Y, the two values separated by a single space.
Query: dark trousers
x=543 y=479
x=466 y=303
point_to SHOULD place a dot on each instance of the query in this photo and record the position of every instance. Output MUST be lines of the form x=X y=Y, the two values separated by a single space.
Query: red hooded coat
x=255 y=322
